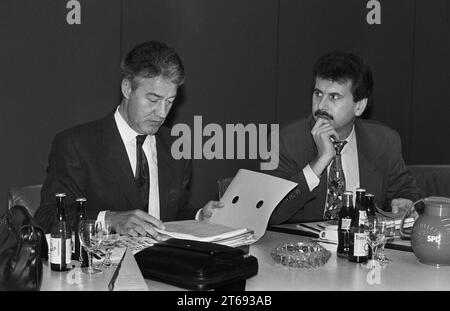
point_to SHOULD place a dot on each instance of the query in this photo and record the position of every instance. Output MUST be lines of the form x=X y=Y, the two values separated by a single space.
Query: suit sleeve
x=288 y=169
x=400 y=184
x=64 y=174
x=186 y=209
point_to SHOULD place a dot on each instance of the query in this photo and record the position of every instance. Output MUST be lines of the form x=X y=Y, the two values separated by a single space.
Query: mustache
x=323 y=114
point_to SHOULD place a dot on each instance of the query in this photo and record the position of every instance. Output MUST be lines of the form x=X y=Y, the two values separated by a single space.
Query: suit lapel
x=369 y=175
x=117 y=162
x=165 y=171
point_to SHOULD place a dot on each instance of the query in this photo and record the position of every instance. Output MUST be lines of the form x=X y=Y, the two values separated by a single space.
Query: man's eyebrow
x=335 y=93
x=317 y=90
x=153 y=94
x=158 y=96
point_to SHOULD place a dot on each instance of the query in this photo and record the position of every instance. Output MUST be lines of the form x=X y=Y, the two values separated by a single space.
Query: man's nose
x=162 y=111
x=323 y=103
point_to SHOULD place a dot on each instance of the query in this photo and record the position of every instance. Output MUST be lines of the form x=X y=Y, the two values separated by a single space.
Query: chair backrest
x=434 y=180
x=28 y=196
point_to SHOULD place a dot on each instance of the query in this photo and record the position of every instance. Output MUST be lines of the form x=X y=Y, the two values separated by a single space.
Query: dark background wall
x=246 y=61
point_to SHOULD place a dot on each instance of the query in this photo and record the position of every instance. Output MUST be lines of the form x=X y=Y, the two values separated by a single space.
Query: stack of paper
x=409 y=221
x=135 y=244
x=207 y=232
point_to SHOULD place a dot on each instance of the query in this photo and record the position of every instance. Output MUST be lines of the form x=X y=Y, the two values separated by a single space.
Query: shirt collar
x=350 y=139
x=351 y=136
x=126 y=132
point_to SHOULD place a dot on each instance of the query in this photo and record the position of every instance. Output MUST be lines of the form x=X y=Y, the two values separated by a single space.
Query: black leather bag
x=22 y=248
x=197 y=265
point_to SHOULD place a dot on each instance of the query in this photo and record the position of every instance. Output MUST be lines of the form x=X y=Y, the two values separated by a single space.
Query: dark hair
x=342 y=66
x=153 y=59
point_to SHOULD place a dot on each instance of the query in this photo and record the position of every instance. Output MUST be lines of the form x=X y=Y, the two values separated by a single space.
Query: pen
x=324 y=241
x=97 y=256
x=116 y=272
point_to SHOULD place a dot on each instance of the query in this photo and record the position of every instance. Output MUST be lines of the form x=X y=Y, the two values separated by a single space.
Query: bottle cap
x=81 y=199
x=60 y=195
x=360 y=190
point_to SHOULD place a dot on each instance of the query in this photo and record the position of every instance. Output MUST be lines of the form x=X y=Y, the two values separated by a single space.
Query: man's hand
x=135 y=223
x=322 y=132
x=207 y=210
x=400 y=205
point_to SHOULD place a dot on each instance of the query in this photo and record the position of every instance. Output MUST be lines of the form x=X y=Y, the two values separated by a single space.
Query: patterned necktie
x=142 y=178
x=336 y=184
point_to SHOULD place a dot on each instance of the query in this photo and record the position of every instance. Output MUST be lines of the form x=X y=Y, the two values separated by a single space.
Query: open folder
x=249 y=201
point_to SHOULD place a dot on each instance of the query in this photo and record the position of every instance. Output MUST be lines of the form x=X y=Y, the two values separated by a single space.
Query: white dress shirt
x=128 y=136
x=350 y=165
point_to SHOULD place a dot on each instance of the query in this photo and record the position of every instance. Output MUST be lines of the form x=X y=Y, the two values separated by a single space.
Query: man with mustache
x=122 y=164
x=371 y=158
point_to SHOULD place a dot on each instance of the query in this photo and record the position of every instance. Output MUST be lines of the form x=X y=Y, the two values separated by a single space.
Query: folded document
x=207 y=232
x=249 y=201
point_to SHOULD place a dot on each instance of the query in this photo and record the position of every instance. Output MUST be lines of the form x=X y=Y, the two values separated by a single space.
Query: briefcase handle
x=200 y=247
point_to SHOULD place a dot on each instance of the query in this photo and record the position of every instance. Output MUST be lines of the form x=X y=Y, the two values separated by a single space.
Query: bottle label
x=73 y=242
x=361 y=247
x=362 y=218
x=345 y=223
x=55 y=250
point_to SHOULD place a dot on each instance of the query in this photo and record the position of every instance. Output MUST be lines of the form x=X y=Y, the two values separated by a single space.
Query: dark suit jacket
x=90 y=160
x=382 y=170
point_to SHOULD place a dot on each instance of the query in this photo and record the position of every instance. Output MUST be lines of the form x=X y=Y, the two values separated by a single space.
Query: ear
x=126 y=88
x=360 y=107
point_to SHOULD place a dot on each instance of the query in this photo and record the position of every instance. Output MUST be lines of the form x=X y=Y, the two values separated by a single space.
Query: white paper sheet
x=250 y=200
x=199 y=230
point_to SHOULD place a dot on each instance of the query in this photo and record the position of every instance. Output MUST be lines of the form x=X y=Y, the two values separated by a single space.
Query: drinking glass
x=109 y=237
x=375 y=235
x=387 y=225
x=90 y=240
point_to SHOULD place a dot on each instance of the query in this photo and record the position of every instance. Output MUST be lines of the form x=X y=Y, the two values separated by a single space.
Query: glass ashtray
x=304 y=255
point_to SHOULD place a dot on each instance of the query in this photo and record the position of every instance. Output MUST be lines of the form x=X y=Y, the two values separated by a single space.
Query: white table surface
x=405 y=273
x=129 y=278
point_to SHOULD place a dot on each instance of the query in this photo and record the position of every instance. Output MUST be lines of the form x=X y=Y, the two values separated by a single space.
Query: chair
x=28 y=196
x=434 y=180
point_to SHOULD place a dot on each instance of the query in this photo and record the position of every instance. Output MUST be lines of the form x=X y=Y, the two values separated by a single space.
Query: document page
x=199 y=230
x=250 y=199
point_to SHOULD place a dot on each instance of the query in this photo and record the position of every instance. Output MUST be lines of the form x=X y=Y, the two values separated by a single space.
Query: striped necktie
x=142 y=178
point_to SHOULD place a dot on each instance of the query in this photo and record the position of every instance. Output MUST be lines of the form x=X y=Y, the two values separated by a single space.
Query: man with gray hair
x=122 y=163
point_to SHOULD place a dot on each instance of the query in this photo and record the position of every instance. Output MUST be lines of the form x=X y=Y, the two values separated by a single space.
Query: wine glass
x=90 y=240
x=109 y=237
x=375 y=235
x=387 y=225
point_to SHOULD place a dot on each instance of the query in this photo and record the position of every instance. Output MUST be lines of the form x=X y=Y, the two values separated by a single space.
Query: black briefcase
x=197 y=265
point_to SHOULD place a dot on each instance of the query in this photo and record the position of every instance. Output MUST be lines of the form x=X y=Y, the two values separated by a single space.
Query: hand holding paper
x=207 y=210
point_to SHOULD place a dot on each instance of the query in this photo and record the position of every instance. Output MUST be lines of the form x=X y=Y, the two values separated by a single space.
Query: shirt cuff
x=311 y=178
x=101 y=218
x=197 y=216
